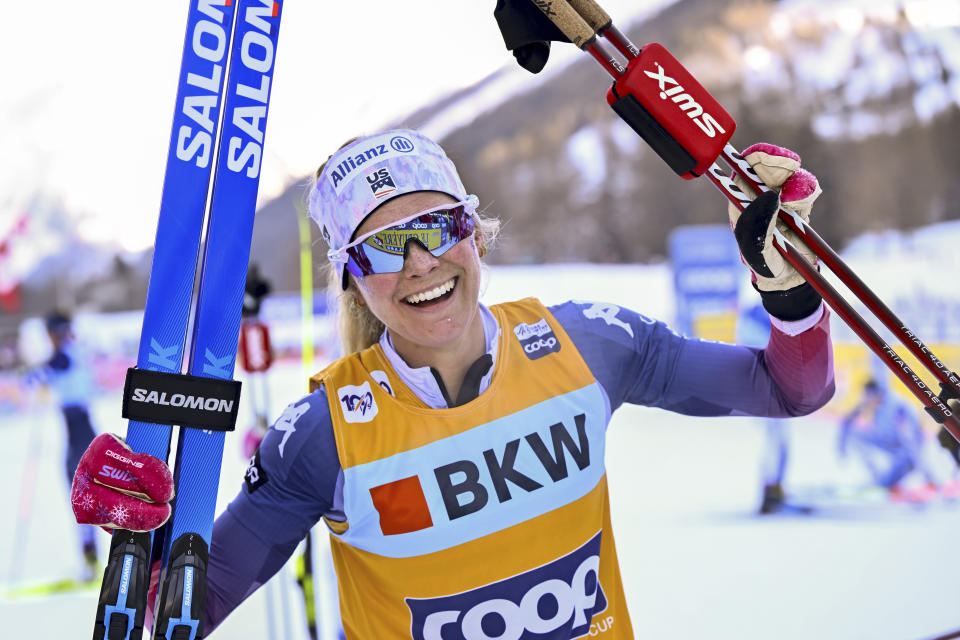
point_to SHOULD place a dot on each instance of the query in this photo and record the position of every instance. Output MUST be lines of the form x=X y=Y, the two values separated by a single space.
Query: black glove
x=527 y=32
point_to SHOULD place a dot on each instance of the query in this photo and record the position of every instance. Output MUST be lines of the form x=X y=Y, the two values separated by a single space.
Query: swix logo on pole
x=685 y=101
x=666 y=105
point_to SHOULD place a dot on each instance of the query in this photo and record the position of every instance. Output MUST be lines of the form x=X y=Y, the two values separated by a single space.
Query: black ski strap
x=180 y=399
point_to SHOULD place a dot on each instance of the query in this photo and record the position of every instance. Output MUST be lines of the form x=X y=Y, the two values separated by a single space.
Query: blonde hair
x=358 y=327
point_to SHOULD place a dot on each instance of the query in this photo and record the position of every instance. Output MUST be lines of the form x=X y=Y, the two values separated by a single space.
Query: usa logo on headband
x=381 y=183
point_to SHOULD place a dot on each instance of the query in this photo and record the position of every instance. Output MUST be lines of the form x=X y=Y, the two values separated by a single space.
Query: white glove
x=785 y=293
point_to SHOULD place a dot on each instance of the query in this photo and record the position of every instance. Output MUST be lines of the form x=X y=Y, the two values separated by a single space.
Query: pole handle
x=592 y=13
x=566 y=18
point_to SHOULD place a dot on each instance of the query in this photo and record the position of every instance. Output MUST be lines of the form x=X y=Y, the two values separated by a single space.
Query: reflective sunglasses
x=382 y=250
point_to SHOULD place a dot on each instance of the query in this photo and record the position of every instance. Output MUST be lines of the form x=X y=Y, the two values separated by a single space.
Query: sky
x=89 y=92
x=88 y=97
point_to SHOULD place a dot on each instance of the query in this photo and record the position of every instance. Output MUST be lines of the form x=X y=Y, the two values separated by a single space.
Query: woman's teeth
x=436 y=292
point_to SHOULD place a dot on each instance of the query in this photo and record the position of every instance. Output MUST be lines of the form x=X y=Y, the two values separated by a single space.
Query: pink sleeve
x=801 y=365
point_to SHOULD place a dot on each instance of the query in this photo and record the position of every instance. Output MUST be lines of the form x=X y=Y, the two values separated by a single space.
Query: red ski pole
x=683 y=123
x=947 y=378
x=933 y=403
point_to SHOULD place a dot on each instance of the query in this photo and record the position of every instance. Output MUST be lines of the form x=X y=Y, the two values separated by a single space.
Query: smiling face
x=433 y=302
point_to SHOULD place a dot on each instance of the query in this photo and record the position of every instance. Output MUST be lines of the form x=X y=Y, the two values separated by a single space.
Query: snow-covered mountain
x=853 y=68
x=866 y=91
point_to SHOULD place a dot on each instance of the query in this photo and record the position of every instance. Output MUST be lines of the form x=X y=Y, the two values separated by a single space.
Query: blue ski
x=216 y=319
x=166 y=318
x=182 y=600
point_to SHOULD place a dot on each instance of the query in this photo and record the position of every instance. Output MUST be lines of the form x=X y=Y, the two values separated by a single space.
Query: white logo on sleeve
x=608 y=313
x=357 y=402
x=285 y=423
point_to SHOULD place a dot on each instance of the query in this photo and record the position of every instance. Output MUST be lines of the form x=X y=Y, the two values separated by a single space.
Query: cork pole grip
x=567 y=20
x=592 y=13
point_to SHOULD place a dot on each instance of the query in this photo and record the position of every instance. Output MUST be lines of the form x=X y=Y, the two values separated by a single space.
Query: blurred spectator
x=69 y=375
x=885 y=432
x=8 y=352
x=256 y=289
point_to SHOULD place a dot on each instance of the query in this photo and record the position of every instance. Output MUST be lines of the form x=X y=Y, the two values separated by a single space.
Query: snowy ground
x=696 y=562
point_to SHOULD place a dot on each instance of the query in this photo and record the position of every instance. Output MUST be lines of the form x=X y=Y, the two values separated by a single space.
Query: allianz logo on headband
x=372 y=151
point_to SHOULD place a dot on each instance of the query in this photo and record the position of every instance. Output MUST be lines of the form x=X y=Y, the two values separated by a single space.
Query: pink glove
x=779 y=169
x=116 y=488
x=784 y=292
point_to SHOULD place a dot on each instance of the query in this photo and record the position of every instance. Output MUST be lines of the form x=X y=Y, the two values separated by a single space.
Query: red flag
x=10 y=300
